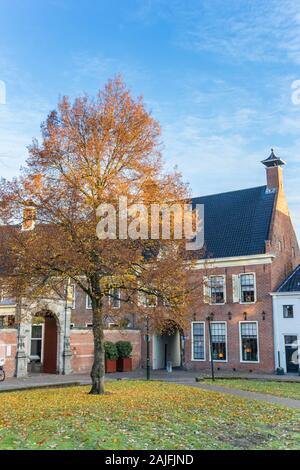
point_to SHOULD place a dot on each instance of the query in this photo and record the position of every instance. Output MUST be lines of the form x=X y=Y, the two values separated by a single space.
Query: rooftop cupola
x=274 y=166
x=272 y=160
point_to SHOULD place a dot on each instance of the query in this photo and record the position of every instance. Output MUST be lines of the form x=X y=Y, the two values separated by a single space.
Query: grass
x=143 y=415
x=278 y=389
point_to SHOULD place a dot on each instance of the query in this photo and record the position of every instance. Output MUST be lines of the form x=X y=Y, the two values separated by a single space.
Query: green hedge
x=111 y=351
x=124 y=349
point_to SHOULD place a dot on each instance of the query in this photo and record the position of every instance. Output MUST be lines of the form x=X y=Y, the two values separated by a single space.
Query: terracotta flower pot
x=110 y=366
x=124 y=365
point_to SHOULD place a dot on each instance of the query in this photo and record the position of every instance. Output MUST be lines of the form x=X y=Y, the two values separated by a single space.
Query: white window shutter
x=206 y=290
x=225 y=289
x=235 y=288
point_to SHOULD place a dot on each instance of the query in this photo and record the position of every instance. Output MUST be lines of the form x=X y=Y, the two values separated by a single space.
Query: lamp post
x=67 y=349
x=209 y=319
x=147 y=349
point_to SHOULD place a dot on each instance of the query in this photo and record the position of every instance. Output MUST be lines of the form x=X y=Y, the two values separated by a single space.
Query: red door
x=50 y=346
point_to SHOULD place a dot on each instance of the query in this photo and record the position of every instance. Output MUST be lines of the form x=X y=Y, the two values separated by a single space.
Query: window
x=288 y=311
x=4 y=300
x=89 y=325
x=114 y=297
x=36 y=341
x=247 y=283
x=198 y=341
x=290 y=340
x=217 y=289
x=218 y=340
x=147 y=300
x=249 y=342
x=7 y=321
x=72 y=325
x=88 y=302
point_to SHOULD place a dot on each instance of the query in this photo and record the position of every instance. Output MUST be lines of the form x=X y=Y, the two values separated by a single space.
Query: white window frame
x=192 y=341
x=240 y=339
x=87 y=306
x=89 y=325
x=224 y=291
x=42 y=339
x=226 y=343
x=110 y=298
x=288 y=318
x=111 y=325
x=240 y=288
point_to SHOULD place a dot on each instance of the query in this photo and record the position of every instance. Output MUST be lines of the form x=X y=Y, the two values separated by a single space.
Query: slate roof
x=292 y=282
x=237 y=223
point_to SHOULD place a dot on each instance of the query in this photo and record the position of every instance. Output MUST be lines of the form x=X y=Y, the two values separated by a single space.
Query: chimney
x=274 y=166
x=29 y=218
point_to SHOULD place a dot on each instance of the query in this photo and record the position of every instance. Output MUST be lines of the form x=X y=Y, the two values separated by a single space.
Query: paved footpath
x=291 y=403
x=178 y=377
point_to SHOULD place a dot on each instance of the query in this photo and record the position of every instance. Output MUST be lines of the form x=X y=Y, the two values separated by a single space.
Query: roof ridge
x=229 y=192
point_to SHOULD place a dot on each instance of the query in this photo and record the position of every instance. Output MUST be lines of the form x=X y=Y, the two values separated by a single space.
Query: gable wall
x=283 y=243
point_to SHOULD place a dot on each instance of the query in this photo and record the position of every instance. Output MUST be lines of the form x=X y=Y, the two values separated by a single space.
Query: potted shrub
x=124 y=362
x=111 y=356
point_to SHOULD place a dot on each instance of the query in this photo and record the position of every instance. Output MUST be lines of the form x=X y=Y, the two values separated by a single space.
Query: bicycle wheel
x=2 y=375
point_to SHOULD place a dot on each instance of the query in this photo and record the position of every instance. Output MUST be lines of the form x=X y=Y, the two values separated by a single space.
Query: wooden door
x=50 y=346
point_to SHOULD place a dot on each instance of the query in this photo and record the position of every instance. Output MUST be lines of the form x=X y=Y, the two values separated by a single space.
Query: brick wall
x=284 y=245
x=237 y=312
x=82 y=347
x=282 y=238
x=201 y=310
x=80 y=314
x=8 y=350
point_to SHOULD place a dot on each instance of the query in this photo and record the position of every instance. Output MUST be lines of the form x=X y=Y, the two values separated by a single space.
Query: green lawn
x=278 y=389
x=140 y=415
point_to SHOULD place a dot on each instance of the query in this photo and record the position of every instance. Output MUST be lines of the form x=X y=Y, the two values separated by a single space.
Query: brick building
x=250 y=248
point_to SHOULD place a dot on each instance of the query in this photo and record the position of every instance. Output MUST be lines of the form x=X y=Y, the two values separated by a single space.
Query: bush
x=124 y=349
x=111 y=351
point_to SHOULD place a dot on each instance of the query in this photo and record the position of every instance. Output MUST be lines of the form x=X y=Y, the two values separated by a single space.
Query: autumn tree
x=94 y=152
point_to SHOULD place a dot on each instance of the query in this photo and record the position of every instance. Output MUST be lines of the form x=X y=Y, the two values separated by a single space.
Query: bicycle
x=2 y=371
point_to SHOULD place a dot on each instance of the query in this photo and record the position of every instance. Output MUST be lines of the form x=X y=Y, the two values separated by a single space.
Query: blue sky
x=216 y=74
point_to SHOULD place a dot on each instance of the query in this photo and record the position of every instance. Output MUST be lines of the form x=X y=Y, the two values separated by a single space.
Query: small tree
x=111 y=350
x=124 y=349
x=93 y=152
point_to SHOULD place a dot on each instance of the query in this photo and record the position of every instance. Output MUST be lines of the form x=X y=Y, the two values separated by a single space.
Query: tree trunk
x=98 y=369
